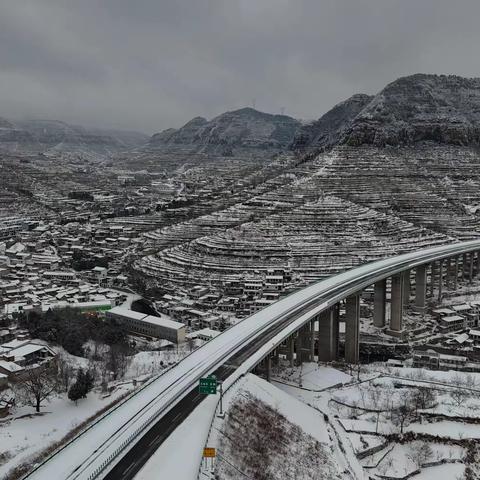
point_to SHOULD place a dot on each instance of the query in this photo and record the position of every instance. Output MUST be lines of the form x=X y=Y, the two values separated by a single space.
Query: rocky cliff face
x=331 y=127
x=438 y=108
x=229 y=133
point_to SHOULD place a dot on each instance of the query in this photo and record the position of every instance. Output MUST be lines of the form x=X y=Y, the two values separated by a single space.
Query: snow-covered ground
x=26 y=433
x=380 y=389
x=449 y=471
x=312 y=376
x=313 y=451
x=447 y=429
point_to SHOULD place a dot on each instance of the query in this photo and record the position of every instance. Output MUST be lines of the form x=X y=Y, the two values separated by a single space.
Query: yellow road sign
x=209 y=452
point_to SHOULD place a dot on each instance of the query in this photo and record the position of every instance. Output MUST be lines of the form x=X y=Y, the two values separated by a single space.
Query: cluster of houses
x=458 y=317
x=34 y=277
x=203 y=306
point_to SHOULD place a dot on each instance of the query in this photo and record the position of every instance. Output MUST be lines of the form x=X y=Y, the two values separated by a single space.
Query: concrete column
x=277 y=356
x=312 y=340
x=431 y=283
x=298 y=348
x=464 y=266
x=440 y=279
x=478 y=262
x=268 y=367
x=352 y=329
x=396 y=303
x=470 y=267
x=420 y=287
x=406 y=288
x=448 y=279
x=379 y=303
x=455 y=276
x=328 y=335
x=291 y=350
x=305 y=342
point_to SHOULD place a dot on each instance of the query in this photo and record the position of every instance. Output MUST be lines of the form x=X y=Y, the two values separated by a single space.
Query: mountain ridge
x=230 y=132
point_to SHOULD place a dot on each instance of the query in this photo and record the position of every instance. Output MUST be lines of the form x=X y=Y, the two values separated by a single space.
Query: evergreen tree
x=75 y=392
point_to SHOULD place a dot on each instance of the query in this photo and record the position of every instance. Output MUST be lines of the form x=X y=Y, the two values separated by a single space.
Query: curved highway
x=119 y=443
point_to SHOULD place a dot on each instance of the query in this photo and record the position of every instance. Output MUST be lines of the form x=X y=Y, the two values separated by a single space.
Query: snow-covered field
x=447 y=429
x=312 y=376
x=281 y=437
x=25 y=433
x=449 y=471
x=365 y=412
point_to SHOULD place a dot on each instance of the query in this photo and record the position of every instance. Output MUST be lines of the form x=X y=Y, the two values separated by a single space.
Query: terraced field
x=332 y=212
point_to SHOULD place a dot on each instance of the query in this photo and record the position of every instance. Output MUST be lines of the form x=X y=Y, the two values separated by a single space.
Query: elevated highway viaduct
x=304 y=325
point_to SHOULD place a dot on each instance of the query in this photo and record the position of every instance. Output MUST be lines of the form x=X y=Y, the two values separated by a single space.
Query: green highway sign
x=208 y=386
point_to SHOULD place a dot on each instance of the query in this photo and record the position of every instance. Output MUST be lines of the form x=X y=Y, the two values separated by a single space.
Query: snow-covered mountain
x=230 y=133
x=45 y=135
x=330 y=128
x=439 y=108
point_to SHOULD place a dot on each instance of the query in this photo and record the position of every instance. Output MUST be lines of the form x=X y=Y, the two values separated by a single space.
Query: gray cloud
x=153 y=64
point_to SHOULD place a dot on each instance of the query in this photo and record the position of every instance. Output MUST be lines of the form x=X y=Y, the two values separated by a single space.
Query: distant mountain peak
x=329 y=129
x=244 y=129
x=421 y=107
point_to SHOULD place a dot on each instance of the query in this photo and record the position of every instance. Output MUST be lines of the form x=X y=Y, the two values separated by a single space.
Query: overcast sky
x=152 y=64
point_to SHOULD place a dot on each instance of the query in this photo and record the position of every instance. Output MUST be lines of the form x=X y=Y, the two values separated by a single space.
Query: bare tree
x=65 y=372
x=423 y=397
x=36 y=385
x=458 y=395
x=117 y=361
x=403 y=413
x=420 y=452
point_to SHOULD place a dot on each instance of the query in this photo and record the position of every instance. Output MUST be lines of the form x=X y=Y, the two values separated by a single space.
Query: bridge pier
x=440 y=279
x=478 y=262
x=407 y=286
x=396 y=303
x=431 y=281
x=268 y=367
x=449 y=272
x=298 y=348
x=328 y=335
x=306 y=342
x=455 y=277
x=379 y=303
x=276 y=358
x=420 y=287
x=312 y=339
x=470 y=266
x=352 y=329
x=291 y=350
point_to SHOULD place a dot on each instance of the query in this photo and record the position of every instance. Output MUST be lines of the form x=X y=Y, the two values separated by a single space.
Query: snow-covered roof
x=14 y=344
x=461 y=308
x=443 y=311
x=26 y=350
x=10 y=366
x=205 y=332
x=163 y=321
x=125 y=312
x=452 y=318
